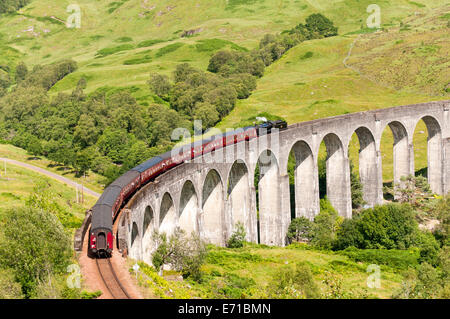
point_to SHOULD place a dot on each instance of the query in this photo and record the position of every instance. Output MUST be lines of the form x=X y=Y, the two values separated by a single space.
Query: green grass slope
x=125 y=30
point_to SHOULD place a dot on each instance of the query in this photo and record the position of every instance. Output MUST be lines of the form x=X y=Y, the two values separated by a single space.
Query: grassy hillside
x=248 y=272
x=127 y=28
x=20 y=183
x=91 y=180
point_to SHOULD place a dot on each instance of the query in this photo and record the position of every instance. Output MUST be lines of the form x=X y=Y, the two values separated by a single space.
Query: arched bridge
x=212 y=194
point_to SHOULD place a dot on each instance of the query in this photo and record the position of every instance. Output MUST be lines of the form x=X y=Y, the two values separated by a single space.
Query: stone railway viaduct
x=211 y=194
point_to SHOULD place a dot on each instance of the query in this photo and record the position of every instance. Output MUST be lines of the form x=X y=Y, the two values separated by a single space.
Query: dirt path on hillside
x=50 y=174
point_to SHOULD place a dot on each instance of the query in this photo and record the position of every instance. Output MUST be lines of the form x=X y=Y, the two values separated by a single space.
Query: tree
x=326 y=225
x=237 y=239
x=180 y=252
x=21 y=72
x=161 y=85
x=7 y=6
x=389 y=226
x=300 y=229
x=22 y=247
x=86 y=132
x=423 y=283
x=206 y=113
x=321 y=26
x=83 y=161
x=34 y=146
x=414 y=190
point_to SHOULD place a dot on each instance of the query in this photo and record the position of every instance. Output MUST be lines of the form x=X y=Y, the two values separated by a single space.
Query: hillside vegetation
x=107 y=95
x=38 y=217
x=103 y=68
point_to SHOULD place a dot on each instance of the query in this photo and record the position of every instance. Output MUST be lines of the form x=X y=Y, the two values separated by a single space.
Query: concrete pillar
x=403 y=152
x=213 y=207
x=434 y=155
x=239 y=199
x=446 y=165
x=147 y=233
x=368 y=166
x=135 y=240
x=379 y=184
x=270 y=218
x=285 y=208
x=188 y=208
x=167 y=215
x=306 y=182
x=338 y=176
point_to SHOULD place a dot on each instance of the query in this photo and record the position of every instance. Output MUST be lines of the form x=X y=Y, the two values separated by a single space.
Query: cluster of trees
x=7 y=6
x=108 y=131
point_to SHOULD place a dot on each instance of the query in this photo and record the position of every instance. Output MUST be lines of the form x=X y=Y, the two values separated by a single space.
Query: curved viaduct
x=212 y=193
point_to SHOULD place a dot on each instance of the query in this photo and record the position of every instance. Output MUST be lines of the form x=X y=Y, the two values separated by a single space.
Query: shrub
x=429 y=247
x=149 y=43
x=183 y=254
x=237 y=239
x=325 y=226
x=389 y=226
x=397 y=259
x=168 y=49
x=289 y=282
x=300 y=229
x=423 y=283
x=320 y=26
x=34 y=246
x=111 y=50
x=9 y=288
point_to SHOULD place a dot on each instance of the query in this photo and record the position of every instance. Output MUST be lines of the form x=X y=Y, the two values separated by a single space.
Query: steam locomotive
x=104 y=212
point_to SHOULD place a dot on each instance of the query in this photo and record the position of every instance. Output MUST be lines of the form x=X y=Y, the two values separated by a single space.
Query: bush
x=7 y=6
x=423 y=283
x=34 y=245
x=325 y=226
x=181 y=253
x=111 y=50
x=289 y=282
x=397 y=259
x=389 y=226
x=429 y=247
x=320 y=26
x=237 y=239
x=9 y=288
x=300 y=229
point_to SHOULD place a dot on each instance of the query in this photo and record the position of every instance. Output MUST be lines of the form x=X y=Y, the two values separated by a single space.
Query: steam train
x=104 y=212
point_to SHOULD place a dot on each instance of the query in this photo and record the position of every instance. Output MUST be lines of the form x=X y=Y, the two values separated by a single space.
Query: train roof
x=101 y=217
x=166 y=155
x=109 y=195
x=147 y=164
x=125 y=179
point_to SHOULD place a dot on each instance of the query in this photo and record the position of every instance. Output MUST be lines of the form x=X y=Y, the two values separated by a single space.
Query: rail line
x=110 y=279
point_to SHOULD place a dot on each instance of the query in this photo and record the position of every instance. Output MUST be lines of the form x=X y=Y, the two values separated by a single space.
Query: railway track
x=110 y=279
